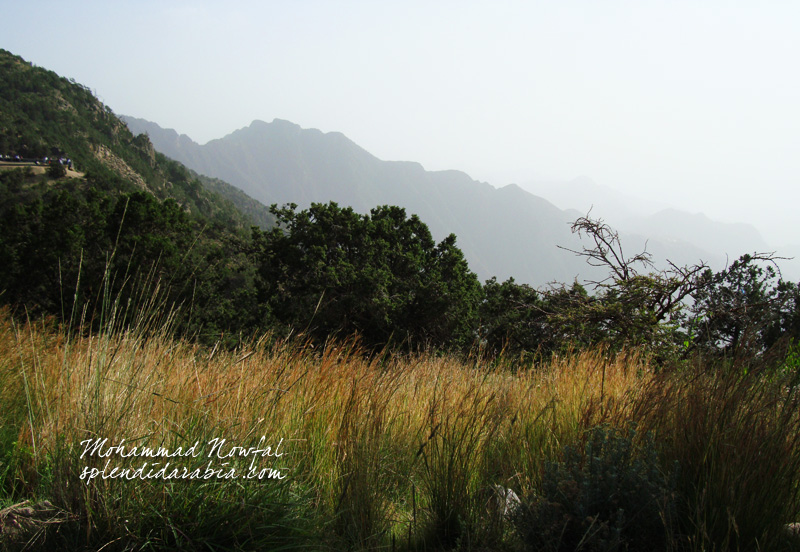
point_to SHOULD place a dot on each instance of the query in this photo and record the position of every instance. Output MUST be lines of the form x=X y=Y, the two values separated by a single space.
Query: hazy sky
x=696 y=104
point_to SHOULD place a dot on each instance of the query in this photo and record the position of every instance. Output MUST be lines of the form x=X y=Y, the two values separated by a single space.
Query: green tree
x=56 y=170
x=633 y=305
x=786 y=325
x=70 y=247
x=745 y=309
x=512 y=317
x=329 y=270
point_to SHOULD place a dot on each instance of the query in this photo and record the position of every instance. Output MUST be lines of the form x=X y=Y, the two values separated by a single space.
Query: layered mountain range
x=505 y=232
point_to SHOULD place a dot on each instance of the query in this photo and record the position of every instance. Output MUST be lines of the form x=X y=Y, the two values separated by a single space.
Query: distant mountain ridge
x=633 y=215
x=697 y=228
x=503 y=233
x=506 y=232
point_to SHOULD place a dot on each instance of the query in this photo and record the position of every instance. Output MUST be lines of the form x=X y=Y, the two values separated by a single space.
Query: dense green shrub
x=56 y=170
x=608 y=495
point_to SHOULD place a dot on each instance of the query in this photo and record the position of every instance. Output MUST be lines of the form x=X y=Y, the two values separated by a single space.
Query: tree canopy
x=740 y=312
x=328 y=270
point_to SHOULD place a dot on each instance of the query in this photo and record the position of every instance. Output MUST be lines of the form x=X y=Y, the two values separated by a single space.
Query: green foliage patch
x=610 y=495
x=329 y=270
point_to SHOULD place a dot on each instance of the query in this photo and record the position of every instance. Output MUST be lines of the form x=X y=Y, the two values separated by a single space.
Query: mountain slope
x=136 y=228
x=503 y=233
x=45 y=115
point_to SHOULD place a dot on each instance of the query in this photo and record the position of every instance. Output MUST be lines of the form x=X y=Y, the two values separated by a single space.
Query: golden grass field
x=394 y=451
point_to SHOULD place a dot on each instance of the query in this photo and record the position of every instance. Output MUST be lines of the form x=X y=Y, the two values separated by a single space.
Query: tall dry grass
x=390 y=452
x=736 y=437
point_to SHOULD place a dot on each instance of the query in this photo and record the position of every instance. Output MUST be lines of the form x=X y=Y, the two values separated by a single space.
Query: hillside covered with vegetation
x=406 y=405
x=138 y=222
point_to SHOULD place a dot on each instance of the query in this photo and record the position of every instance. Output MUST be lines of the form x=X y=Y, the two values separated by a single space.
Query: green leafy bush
x=56 y=170
x=607 y=495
